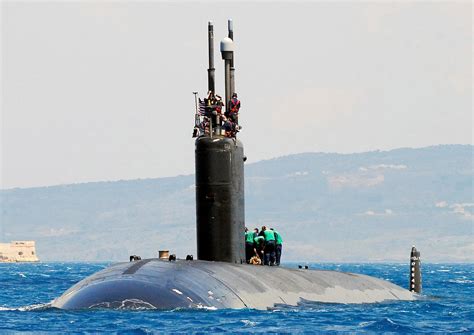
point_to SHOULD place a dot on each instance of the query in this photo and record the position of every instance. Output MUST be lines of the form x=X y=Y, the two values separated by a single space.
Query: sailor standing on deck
x=259 y=246
x=249 y=244
x=278 y=247
x=234 y=108
x=270 y=244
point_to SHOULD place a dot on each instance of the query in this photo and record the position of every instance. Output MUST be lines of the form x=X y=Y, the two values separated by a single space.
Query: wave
x=445 y=306
x=249 y=323
x=461 y=281
x=386 y=325
x=29 y=308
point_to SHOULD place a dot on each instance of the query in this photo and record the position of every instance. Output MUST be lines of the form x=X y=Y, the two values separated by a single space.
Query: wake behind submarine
x=220 y=278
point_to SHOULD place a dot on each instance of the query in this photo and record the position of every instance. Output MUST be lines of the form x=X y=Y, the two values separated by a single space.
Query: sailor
x=249 y=244
x=210 y=109
x=278 y=247
x=204 y=126
x=269 y=236
x=217 y=112
x=228 y=128
x=234 y=107
x=208 y=102
x=259 y=246
x=196 y=132
x=257 y=252
x=219 y=104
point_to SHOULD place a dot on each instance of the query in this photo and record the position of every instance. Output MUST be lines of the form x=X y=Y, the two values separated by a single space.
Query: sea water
x=447 y=305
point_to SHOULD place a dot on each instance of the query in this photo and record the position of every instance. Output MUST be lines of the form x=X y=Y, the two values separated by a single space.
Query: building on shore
x=18 y=251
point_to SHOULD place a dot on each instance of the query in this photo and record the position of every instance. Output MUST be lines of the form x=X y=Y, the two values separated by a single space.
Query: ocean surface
x=447 y=305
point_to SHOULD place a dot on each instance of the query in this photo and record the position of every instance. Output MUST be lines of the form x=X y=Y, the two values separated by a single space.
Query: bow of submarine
x=149 y=283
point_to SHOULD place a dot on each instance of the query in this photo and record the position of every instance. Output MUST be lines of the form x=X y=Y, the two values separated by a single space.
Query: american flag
x=202 y=107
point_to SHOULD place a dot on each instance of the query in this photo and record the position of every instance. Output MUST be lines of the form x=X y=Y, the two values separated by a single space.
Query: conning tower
x=219 y=162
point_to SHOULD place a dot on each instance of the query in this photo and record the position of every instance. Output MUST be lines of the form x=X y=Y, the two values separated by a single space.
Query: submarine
x=220 y=277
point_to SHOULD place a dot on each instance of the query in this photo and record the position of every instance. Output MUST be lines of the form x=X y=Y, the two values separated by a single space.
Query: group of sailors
x=211 y=115
x=263 y=247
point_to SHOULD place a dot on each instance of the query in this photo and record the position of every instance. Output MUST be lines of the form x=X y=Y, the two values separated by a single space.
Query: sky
x=102 y=90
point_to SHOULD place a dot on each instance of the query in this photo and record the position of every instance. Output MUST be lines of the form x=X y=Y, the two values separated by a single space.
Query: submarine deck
x=154 y=283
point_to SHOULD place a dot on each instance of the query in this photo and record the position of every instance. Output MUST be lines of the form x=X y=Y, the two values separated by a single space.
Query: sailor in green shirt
x=279 y=244
x=259 y=244
x=270 y=245
x=249 y=244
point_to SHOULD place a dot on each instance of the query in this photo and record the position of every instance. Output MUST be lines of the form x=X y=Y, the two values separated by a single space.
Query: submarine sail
x=219 y=162
x=220 y=199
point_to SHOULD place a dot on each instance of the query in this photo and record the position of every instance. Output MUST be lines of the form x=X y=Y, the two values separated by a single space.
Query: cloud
x=57 y=232
x=318 y=106
x=441 y=204
x=386 y=212
x=460 y=209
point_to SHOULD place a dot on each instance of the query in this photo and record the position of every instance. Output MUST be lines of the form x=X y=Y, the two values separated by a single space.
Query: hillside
x=329 y=207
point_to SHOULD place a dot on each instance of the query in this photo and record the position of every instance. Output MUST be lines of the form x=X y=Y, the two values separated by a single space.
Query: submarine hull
x=158 y=284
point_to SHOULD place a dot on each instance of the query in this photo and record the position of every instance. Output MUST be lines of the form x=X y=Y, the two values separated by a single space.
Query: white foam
x=249 y=323
x=210 y=308
x=34 y=307
x=461 y=281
